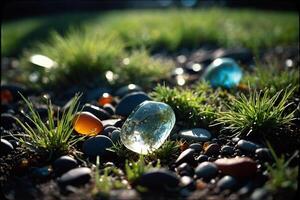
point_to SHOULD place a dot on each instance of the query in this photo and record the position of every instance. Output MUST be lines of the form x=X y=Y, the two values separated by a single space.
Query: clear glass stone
x=147 y=127
x=223 y=72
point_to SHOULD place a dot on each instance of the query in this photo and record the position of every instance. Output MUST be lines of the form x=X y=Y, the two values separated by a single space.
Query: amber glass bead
x=105 y=99
x=6 y=96
x=85 y=123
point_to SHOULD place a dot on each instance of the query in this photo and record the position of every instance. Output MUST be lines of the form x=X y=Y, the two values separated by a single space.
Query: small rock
x=7 y=120
x=97 y=111
x=109 y=108
x=123 y=194
x=186 y=156
x=247 y=146
x=159 y=179
x=240 y=167
x=96 y=146
x=111 y=122
x=263 y=154
x=212 y=149
x=227 y=182
x=202 y=158
x=75 y=177
x=260 y=194
x=115 y=136
x=185 y=170
x=6 y=147
x=108 y=130
x=195 y=134
x=196 y=146
x=121 y=92
x=41 y=172
x=227 y=150
x=187 y=182
x=206 y=170
x=85 y=123
x=128 y=103
x=63 y=164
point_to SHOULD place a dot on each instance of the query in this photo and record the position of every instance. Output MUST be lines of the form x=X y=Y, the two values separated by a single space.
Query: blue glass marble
x=147 y=127
x=223 y=72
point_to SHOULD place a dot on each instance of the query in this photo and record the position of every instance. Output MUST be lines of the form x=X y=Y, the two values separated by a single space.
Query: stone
x=108 y=130
x=260 y=194
x=206 y=170
x=105 y=98
x=6 y=147
x=63 y=164
x=196 y=146
x=227 y=150
x=223 y=72
x=202 y=158
x=40 y=172
x=7 y=120
x=159 y=179
x=97 y=146
x=187 y=182
x=247 y=146
x=185 y=169
x=212 y=149
x=240 y=167
x=263 y=154
x=186 y=156
x=97 y=111
x=85 y=123
x=227 y=182
x=124 y=194
x=115 y=136
x=121 y=92
x=147 y=127
x=109 y=108
x=195 y=134
x=75 y=177
x=111 y=122
x=129 y=102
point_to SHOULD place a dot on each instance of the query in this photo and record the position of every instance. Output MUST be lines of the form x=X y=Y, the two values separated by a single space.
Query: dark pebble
x=115 y=135
x=109 y=108
x=227 y=182
x=206 y=170
x=7 y=120
x=202 y=158
x=129 y=102
x=121 y=92
x=63 y=164
x=263 y=154
x=227 y=150
x=75 y=177
x=108 y=130
x=260 y=194
x=247 y=146
x=97 y=111
x=96 y=146
x=6 y=147
x=196 y=146
x=212 y=149
x=185 y=169
x=187 y=182
x=159 y=179
x=15 y=143
x=186 y=156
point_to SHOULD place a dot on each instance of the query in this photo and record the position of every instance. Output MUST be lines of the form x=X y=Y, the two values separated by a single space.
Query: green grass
x=54 y=137
x=281 y=175
x=194 y=107
x=261 y=112
x=272 y=77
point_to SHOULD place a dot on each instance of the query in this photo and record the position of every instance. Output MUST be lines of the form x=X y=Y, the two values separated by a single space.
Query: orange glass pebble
x=105 y=99
x=6 y=96
x=85 y=123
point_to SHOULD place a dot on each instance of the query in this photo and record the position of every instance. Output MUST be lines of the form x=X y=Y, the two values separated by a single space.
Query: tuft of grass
x=197 y=106
x=121 y=151
x=257 y=113
x=272 y=78
x=105 y=183
x=168 y=149
x=54 y=137
x=81 y=57
x=134 y=170
x=141 y=69
x=281 y=175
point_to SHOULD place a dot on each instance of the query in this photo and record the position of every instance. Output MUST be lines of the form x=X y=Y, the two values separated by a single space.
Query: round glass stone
x=223 y=72
x=147 y=127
